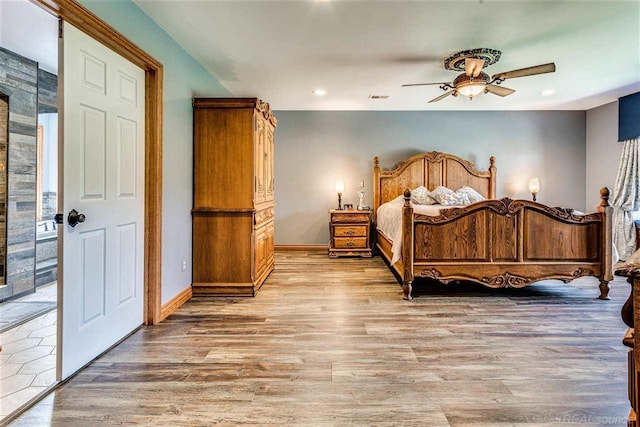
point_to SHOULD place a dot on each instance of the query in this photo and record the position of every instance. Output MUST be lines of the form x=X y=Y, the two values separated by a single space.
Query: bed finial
x=604 y=199
x=407 y=197
x=492 y=177
x=376 y=162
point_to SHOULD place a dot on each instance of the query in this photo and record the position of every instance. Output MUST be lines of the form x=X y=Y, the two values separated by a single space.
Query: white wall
x=31 y=32
x=603 y=151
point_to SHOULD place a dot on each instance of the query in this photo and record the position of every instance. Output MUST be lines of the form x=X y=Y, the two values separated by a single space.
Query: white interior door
x=102 y=177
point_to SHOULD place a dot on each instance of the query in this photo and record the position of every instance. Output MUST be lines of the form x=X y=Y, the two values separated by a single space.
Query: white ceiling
x=29 y=31
x=282 y=50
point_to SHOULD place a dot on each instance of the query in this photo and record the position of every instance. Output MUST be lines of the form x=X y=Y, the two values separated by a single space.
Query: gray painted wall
x=603 y=150
x=314 y=148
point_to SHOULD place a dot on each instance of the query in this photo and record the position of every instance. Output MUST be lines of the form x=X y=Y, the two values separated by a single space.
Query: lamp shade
x=471 y=89
x=340 y=186
x=534 y=185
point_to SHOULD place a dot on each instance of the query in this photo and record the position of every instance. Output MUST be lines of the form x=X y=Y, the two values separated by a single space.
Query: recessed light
x=548 y=92
x=319 y=92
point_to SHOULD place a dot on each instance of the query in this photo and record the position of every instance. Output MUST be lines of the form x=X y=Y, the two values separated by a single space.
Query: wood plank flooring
x=332 y=343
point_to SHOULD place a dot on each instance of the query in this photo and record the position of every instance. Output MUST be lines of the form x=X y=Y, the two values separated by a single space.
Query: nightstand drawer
x=351 y=217
x=350 y=231
x=350 y=242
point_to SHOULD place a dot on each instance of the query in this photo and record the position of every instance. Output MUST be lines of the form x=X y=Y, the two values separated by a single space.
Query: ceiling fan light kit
x=471 y=86
x=473 y=81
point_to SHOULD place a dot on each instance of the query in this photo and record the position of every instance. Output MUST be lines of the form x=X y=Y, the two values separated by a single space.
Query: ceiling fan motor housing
x=463 y=79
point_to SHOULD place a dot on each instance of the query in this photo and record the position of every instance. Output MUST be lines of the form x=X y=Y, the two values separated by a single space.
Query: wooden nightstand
x=350 y=233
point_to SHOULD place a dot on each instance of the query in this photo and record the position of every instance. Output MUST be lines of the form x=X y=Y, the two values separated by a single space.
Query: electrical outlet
x=184 y=265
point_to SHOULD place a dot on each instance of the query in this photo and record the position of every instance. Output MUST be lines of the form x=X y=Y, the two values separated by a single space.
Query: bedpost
x=407 y=245
x=607 y=243
x=376 y=184
x=492 y=178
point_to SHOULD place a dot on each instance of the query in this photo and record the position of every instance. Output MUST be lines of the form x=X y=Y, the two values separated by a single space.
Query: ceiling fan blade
x=441 y=97
x=499 y=90
x=473 y=66
x=529 y=71
x=426 y=84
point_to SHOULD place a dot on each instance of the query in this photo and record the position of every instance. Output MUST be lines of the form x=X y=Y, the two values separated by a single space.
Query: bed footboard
x=507 y=243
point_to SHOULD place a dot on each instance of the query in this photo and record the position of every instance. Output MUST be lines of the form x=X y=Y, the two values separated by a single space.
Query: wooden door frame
x=82 y=18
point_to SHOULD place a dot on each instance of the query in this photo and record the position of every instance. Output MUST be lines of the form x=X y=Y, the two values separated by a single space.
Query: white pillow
x=472 y=194
x=421 y=196
x=439 y=191
x=448 y=197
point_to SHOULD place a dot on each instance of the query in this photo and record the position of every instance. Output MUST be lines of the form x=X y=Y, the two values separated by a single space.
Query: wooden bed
x=497 y=243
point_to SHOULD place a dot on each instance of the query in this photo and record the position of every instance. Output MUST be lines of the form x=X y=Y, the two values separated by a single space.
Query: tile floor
x=29 y=306
x=27 y=361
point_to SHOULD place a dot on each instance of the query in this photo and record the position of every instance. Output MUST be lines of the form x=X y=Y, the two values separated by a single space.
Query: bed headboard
x=431 y=170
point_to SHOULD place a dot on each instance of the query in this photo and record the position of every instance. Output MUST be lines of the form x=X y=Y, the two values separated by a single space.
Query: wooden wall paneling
x=80 y=17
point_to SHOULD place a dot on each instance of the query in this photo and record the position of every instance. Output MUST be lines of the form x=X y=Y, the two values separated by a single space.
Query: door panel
x=259 y=162
x=92 y=262
x=260 y=254
x=102 y=176
x=268 y=163
x=126 y=262
x=92 y=143
x=127 y=174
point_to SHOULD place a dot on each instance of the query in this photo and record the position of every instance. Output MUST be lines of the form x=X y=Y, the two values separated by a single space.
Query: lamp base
x=534 y=196
x=339 y=201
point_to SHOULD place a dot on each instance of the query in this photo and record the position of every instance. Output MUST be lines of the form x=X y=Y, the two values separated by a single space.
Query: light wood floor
x=330 y=342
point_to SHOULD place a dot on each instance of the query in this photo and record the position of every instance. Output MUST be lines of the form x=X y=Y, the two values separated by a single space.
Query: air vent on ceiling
x=378 y=96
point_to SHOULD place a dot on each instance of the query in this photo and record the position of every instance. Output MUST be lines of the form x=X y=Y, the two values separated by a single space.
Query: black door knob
x=75 y=218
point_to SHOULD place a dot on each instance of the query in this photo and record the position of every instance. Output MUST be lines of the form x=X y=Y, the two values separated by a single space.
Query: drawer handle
x=349 y=233
x=350 y=244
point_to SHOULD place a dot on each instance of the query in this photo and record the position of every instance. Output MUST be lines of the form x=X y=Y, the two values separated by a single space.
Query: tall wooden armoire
x=233 y=195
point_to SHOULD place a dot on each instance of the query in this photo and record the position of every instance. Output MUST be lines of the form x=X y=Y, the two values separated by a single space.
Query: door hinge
x=59 y=218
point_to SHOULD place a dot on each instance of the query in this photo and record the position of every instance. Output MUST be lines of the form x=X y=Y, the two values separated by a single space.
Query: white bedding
x=389 y=221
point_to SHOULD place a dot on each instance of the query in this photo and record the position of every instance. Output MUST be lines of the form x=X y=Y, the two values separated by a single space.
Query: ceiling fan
x=473 y=81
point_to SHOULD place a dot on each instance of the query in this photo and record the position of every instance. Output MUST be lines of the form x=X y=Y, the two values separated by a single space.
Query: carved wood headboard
x=431 y=170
